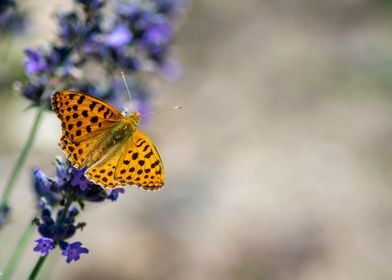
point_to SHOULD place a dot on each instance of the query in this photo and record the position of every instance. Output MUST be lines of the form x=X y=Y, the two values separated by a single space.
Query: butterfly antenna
x=178 y=107
x=126 y=86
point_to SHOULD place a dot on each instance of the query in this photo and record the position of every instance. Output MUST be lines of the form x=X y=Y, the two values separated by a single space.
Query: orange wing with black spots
x=103 y=172
x=81 y=115
x=141 y=164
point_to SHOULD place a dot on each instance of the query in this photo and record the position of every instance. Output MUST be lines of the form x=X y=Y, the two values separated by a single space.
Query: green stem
x=21 y=160
x=47 y=270
x=37 y=267
x=24 y=240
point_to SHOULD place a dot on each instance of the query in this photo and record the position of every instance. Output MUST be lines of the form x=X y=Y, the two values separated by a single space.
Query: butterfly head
x=136 y=117
x=133 y=120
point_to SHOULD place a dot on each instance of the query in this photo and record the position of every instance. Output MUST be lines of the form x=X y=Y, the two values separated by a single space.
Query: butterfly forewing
x=141 y=164
x=81 y=114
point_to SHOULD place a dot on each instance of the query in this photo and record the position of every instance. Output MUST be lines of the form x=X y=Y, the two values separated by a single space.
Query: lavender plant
x=132 y=37
x=60 y=200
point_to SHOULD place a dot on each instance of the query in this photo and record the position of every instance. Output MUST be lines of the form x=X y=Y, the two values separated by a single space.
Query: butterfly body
x=98 y=137
x=126 y=127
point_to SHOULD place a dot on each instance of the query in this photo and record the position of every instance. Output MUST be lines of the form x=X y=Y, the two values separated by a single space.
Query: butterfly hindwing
x=76 y=152
x=140 y=164
x=103 y=172
x=88 y=151
x=82 y=114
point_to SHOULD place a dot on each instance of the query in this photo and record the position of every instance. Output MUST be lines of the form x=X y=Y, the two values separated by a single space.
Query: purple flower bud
x=70 y=26
x=73 y=211
x=35 y=62
x=43 y=182
x=113 y=196
x=33 y=91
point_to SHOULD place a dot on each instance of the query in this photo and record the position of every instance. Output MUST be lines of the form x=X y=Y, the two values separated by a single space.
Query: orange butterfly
x=97 y=136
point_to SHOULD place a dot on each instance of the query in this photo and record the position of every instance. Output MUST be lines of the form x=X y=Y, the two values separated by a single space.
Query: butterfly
x=96 y=136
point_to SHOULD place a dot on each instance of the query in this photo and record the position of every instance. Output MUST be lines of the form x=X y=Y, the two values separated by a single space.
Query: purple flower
x=145 y=18
x=113 y=196
x=73 y=251
x=157 y=36
x=119 y=37
x=129 y=11
x=83 y=189
x=79 y=179
x=69 y=26
x=35 y=62
x=44 y=246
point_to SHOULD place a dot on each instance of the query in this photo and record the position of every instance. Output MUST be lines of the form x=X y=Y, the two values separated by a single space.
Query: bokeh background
x=278 y=167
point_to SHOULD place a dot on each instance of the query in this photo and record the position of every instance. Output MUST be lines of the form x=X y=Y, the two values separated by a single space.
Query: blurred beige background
x=278 y=167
